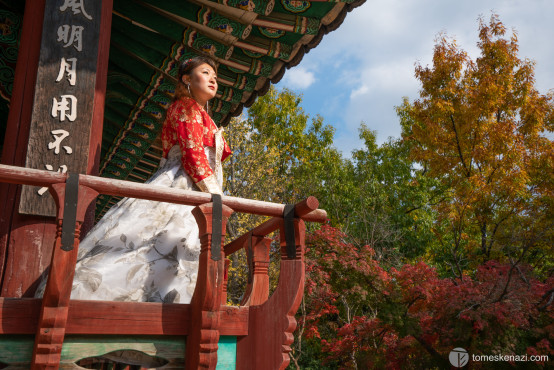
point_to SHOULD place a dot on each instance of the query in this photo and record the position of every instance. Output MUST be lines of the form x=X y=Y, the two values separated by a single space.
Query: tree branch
x=442 y=361
x=549 y=302
x=468 y=172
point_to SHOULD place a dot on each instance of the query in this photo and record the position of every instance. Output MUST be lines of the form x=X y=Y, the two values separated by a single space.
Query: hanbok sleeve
x=189 y=130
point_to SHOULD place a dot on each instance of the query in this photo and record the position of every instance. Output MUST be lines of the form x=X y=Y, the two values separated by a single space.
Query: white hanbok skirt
x=142 y=250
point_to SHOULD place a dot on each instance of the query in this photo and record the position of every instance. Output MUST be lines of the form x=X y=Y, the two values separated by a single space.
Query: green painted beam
x=16 y=350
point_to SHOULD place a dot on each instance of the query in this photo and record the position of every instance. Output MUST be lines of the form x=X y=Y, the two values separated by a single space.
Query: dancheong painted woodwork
x=84 y=86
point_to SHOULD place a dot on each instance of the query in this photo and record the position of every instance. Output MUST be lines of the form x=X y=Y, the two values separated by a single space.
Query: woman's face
x=202 y=82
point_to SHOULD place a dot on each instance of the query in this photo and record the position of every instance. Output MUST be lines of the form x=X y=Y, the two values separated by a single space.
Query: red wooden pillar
x=225 y=281
x=17 y=134
x=26 y=241
x=203 y=337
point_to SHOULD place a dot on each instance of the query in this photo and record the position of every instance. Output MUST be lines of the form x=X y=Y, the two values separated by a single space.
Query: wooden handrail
x=29 y=176
x=301 y=209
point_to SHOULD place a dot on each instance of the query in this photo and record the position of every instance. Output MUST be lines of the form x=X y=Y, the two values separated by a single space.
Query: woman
x=148 y=251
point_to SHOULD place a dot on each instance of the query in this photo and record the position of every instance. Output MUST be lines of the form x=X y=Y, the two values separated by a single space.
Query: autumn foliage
x=479 y=127
x=366 y=316
x=474 y=170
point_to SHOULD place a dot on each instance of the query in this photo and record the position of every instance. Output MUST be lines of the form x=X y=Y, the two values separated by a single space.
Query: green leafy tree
x=392 y=208
x=279 y=155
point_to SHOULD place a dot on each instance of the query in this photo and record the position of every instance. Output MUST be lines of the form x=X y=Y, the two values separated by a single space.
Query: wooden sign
x=64 y=96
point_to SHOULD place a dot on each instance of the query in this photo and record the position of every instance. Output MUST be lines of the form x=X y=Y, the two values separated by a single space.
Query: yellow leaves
x=477 y=128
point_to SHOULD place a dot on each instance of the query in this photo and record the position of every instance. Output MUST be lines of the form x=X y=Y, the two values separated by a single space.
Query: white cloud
x=299 y=78
x=359 y=91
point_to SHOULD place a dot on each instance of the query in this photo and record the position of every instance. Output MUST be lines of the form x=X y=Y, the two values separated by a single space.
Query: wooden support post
x=225 y=281
x=55 y=303
x=201 y=351
x=270 y=325
x=20 y=266
x=257 y=289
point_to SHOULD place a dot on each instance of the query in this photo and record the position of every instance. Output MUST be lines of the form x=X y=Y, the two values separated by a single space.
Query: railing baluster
x=55 y=303
x=202 y=341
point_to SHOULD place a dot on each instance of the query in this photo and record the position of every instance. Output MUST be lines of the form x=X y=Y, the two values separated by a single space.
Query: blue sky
x=359 y=72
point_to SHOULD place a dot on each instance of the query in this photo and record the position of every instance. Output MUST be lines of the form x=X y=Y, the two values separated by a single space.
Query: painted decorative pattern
x=128 y=149
x=232 y=96
x=116 y=77
x=253 y=54
x=245 y=83
x=9 y=27
x=206 y=45
x=272 y=33
x=222 y=24
x=257 y=6
x=217 y=116
x=279 y=50
x=221 y=107
x=141 y=104
x=296 y=6
x=162 y=98
x=258 y=67
x=10 y=24
x=306 y=25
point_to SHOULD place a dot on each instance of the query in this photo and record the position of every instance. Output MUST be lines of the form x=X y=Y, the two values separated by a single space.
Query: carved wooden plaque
x=64 y=96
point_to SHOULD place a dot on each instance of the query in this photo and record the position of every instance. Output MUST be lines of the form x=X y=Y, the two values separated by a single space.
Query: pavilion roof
x=253 y=42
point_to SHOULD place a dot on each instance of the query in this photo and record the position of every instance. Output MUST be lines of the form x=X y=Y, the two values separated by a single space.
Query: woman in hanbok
x=146 y=251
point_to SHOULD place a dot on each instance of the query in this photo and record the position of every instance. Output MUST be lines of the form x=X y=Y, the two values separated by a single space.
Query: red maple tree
x=364 y=315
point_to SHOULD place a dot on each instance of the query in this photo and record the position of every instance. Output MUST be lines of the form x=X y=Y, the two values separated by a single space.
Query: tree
x=391 y=206
x=278 y=156
x=478 y=127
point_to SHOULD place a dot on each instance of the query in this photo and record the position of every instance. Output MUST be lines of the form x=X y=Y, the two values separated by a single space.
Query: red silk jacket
x=188 y=125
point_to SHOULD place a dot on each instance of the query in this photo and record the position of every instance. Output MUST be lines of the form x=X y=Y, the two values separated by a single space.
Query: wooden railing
x=263 y=324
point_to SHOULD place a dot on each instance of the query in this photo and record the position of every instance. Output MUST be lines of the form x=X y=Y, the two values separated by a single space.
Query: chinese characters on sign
x=77 y=6
x=66 y=107
x=69 y=69
x=64 y=95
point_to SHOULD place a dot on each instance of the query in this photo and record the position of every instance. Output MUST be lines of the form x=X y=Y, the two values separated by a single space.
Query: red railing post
x=271 y=324
x=55 y=302
x=257 y=255
x=201 y=351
